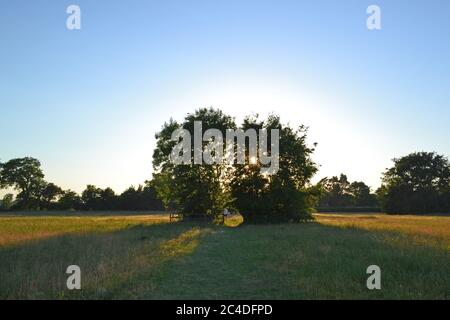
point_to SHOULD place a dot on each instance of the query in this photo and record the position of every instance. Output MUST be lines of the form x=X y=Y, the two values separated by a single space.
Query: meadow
x=145 y=256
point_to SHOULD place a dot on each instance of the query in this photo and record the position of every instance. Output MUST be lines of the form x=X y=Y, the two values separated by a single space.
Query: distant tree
x=92 y=198
x=129 y=199
x=140 y=198
x=284 y=196
x=335 y=192
x=70 y=200
x=49 y=193
x=98 y=199
x=149 y=198
x=362 y=195
x=26 y=176
x=7 y=202
x=108 y=199
x=417 y=183
x=338 y=192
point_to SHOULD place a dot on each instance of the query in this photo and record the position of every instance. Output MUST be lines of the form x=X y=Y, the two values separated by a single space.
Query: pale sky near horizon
x=87 y=103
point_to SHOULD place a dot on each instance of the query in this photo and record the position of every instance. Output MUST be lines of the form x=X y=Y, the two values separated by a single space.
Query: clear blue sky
x=88 y=102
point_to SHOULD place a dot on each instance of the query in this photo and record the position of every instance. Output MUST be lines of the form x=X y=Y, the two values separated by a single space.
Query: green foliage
x=417 y=183
x=24 y=175
x=192 y=188
x=163 y=188
x=7 y=202
x=338 y=192
x=70 y=200
x=140 y=198
x=283 y=196
x=50 y=193
x=91 y=197
x=362 y=195
x=210 y=188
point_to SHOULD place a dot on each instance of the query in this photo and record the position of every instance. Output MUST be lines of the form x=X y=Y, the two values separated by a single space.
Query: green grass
x=146 y=257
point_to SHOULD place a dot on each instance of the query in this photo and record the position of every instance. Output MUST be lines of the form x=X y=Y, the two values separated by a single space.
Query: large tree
x=417 y=183
x=24 y=175
x=283 y=195
x=252 y=186
x=192 y=188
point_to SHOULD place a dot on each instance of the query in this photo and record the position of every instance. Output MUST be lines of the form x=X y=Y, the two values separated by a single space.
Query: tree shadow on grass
x=91 y=213
x=201 y=261
x=307 y=261
x=118 y=264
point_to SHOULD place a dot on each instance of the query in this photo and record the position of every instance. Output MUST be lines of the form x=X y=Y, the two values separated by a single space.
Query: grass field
x=146 y=257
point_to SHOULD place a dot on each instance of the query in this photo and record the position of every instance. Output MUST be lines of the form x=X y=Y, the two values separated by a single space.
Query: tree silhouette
x=338 y=192
x=284 y=195
x=417 y=183
x=24 y=175
x=48 y=194
x=70 y=200
x=192 y=188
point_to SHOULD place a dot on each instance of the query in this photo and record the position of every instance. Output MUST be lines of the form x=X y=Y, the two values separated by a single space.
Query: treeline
x=34 y=193
x=339 y=194
x=416 y=183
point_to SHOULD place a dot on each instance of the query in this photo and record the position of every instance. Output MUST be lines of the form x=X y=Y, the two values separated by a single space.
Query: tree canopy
x=338 y=192
x=24 y=175
x=417 y=183
x=284 y=195
x=193 y=188
x=34 y=193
